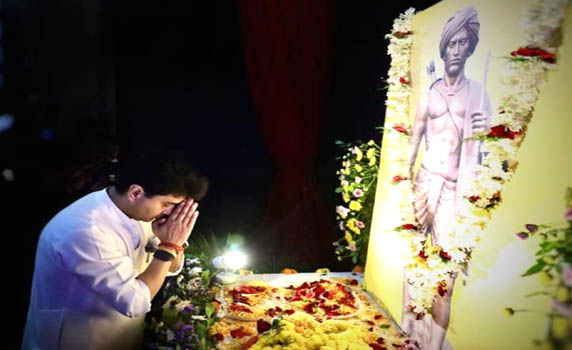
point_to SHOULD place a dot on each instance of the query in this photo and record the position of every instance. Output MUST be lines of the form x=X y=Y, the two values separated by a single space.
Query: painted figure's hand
x=411 y=344
x=479 y=121
x=177 y=227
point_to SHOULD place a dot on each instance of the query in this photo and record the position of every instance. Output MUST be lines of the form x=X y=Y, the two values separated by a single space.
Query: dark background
x=87 y=81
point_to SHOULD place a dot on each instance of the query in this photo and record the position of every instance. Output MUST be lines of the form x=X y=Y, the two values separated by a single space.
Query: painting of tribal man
x=453 y=108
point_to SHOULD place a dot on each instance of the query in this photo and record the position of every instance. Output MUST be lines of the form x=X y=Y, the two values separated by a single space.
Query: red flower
x=237 y=333
x=380 y=340
x=404 y=81
x=354 y=282
x=407 y=227
x=401 y=129
x=444 y=255
x=503 y=132
x=473 y=199
x=236 y=307
x=442 y=289
x=309 y=308
x=398 y=178
x=289 y=312
x=375 y=346
x=218 y=337
x=402 y=34
x=377 y=317
x=422 y=254
x=262 y=326
x=535 y=52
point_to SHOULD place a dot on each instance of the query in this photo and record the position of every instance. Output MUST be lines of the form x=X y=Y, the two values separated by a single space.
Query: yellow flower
x=480 y=212
x=560 y=327
x=359 y=154
x=358 y=168
x=355 y=205
x=370 y=153
x=346 y=197
x=351 y=224
x=371 y=161
x=371 y=143
x=545 y=277
x=346 y=171
x=349 y=238
x=562 y=294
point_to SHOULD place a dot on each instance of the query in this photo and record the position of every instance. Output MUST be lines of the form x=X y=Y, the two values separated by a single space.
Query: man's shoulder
x=80 y=214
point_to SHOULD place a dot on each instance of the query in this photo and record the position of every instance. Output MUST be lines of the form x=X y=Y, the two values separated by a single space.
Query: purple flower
x=522 y=235
x=531 y=227
x=568 y=214
x=188 y=327
x=190 y=309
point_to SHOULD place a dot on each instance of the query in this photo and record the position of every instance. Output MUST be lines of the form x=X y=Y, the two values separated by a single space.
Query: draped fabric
x=288 y=55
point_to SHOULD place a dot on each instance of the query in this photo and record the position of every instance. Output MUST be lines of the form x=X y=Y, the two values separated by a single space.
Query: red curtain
x=288 y=48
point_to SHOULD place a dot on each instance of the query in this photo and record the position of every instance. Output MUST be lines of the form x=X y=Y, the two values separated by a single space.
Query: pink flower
x=567 y=274
x=360 y=224
x=352 y=247
x=531 y=227
x=341 y=226
x=358 y=193
x=342 y=211
x=522 y=235
x=568 y=214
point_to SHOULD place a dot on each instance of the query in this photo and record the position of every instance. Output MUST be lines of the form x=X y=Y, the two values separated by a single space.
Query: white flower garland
x=525 y=70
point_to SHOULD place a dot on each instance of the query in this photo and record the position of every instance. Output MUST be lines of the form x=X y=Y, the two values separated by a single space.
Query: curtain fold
x=288 y=47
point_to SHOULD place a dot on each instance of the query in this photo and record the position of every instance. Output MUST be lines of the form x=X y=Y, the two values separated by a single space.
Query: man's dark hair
x=162 y=172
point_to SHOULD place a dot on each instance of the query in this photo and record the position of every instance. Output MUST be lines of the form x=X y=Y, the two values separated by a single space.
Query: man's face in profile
x=456 y=53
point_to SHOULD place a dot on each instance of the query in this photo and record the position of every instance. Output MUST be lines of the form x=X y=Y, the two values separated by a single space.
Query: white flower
x=342 y=211
x=357 y=179
x=196 y=270
x=199 y=317
x=194 y=261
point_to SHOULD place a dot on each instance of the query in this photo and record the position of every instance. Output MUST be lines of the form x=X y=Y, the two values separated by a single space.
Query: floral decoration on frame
x=525 y=69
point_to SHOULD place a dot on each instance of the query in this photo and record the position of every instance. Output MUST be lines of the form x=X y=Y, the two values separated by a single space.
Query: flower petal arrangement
x=358 y=180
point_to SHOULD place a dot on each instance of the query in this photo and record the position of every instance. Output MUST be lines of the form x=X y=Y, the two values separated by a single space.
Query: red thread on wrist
x=177 y=247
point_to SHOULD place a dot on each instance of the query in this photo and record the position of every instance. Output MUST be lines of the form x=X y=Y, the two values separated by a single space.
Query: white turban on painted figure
x=465 y=18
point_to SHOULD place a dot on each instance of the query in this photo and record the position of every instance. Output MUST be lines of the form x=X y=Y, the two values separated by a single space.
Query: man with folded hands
x=101 y=260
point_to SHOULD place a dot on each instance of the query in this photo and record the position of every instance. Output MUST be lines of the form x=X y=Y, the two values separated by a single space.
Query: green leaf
x=209 y=310
x=384 y=326
x=339 y=190
x=535 y=269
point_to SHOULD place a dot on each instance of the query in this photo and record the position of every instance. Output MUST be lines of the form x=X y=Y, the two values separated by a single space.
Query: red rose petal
x=262 y=326
x=237 y=333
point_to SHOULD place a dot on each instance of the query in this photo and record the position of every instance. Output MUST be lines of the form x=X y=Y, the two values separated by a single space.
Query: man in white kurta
x=89 y=265
x=94 y=278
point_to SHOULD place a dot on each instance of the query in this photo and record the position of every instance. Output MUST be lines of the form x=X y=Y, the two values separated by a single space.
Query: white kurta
x=85 y=294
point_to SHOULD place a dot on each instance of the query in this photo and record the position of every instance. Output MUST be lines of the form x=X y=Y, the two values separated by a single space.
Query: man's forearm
x=154 y=275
